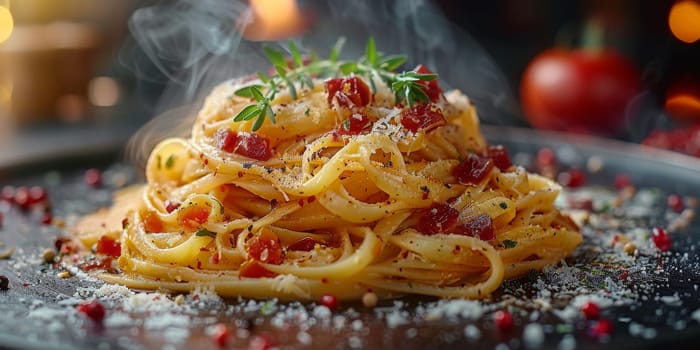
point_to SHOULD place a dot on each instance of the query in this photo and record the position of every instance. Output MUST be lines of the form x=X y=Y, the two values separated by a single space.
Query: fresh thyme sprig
x=406 y=86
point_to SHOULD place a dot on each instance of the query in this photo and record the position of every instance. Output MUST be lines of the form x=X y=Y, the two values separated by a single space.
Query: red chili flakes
x=422 y=117
x=431 y=88
x=481 y=226
x=622 y=181
x=152 y=223
x=220 y=334
x=311 y=199
x=500 y=157
x=503 y=320
x=675 y=202
x=46 y=218
x=572 y=178
x=171 y=206
x=330 y=301
x=248 y=145
x=304 y=244
x=107 y=245
x=661 y=238
x=590 y=310
x=472 y=170
x=93 y=310
x=266 y=248
x=348 y=92
x=437 y=218
x=353 y=125
x=602 y=328
x=93 y=177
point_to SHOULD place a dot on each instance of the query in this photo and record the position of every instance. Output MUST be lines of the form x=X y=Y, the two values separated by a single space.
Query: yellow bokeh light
x=6 y=23
x=684 y=21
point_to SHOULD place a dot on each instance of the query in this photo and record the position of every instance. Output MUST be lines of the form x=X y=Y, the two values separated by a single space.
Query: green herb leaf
x=271 y=114
x=371 y=52
x=335 y=50
x=261 y=118
x=247 y=113
x=202 y=232
x=509 y=244
x=276 y=57
x=281 y=71
x=292 y=88
x=247 y=91
x=296 y=56
x=348 y=67
x=391 y=63
x=263 y=77
x=170 y=161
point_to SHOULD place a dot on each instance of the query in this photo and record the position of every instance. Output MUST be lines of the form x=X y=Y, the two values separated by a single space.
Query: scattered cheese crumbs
x=472 y=332
x=533 y=335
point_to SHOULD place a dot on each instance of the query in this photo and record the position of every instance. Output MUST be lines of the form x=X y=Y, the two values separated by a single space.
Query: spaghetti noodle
x=347 y=191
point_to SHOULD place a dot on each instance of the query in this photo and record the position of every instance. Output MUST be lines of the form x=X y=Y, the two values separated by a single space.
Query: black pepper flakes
x=4 y=282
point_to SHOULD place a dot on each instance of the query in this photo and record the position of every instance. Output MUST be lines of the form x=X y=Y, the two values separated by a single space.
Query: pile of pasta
x=346 y=192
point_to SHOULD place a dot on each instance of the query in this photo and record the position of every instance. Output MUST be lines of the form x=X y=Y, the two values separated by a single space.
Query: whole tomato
x=585 y=91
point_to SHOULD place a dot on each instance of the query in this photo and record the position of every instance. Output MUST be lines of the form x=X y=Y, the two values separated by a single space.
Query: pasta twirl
x=347 y=191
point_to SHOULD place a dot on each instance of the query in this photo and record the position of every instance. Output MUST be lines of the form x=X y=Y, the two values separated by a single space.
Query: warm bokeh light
x=103 y=91
x=6 y=23
x=274 y=20
x=684 y=106
x=684 y=20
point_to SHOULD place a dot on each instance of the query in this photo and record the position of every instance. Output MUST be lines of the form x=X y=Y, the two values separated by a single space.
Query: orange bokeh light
x=274 y=20
x=684 y=20
x=684 y=106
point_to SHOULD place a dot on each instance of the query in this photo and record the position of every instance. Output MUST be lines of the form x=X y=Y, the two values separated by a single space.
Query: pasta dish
x=328 y=178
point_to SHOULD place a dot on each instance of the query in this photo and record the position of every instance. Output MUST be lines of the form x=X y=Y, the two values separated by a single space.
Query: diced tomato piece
x=303 y=244
x=503 y=320
x=193 y=217
x=437 y=218
x=661 y=238
x=432 y=88
x=252 y=269
x=354 y=124
x=499 y=156
x=8 y=194
x=37 y=194
x=248 y=145
x=108 y=246
x=473 y=169
x=481 y=226
x=348 y=92
x=622 y=181
x=572 y=178
x=220 y=334
x=590 y=310
x=152 y=223
x=422 y=117
x=675 y=202
x=602 y=328
x=546 y=157
x=266 y=248
x=330 y=301
x=21 y=197
x=93 y=177
x=93 y=310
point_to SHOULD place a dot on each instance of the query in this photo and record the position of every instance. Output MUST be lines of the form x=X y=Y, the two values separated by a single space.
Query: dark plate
x=39 y=308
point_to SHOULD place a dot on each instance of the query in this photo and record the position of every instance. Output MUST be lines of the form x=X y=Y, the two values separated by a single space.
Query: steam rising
x=196 y=44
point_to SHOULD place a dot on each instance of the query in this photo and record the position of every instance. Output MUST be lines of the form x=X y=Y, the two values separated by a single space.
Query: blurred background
x=80 y=77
